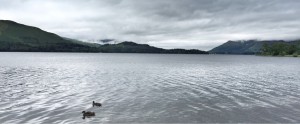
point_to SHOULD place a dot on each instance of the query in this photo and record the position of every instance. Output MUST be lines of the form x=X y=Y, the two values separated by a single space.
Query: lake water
x=148 y=88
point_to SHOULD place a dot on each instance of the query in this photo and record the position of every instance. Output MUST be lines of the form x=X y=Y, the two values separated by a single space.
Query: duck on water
x=88 y=114
x=96 y=104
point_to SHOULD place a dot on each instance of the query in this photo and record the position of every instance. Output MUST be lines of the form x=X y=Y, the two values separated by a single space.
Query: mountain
x=131 y=47
x=19 y=37
x=291 y=48
x=253 y=46
x=15 y=37
x=241 y=47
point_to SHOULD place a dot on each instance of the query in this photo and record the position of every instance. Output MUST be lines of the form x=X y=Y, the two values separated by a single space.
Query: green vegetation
x=238 y=47
x=282 y=49
x=252 y=47
x=22 y=38
x=15 y=37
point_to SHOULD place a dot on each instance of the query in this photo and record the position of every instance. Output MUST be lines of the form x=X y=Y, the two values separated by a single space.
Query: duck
x=88 y=113
x=96 y=104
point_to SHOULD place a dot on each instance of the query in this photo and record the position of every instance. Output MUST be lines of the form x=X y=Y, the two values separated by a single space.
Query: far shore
x=281 y=56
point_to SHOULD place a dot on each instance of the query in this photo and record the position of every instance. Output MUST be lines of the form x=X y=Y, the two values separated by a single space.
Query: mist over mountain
x=17 y=37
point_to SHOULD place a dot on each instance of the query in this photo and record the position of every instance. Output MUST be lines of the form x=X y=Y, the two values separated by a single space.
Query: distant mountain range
x=15 y=37
x=249 y=46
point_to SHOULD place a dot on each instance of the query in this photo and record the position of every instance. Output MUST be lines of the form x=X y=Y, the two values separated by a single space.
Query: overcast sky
x=200 y=24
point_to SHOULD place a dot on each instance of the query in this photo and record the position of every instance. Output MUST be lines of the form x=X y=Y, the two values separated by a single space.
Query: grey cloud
x=199 y=24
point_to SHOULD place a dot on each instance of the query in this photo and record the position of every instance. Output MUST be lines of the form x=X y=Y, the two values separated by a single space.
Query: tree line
x=281 y=49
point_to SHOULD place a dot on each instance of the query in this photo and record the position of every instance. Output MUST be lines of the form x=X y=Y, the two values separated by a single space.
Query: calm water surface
x=152 y=88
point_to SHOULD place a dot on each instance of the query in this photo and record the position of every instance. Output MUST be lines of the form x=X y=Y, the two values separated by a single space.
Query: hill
x=291 y=48
x=271 y=47
x=131 y=47
x=241 y=47
x=15 y=37
x=19 y=37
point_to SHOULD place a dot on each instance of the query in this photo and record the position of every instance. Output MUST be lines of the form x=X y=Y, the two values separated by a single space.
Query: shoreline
x=298 y=56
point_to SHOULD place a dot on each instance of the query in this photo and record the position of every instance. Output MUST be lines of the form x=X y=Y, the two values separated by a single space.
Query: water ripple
x=55 y=88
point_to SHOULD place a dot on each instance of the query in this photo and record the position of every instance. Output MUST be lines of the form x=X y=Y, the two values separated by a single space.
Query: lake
x=148 y=88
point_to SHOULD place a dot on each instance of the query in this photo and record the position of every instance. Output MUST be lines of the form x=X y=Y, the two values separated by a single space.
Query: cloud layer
x=200 y=24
